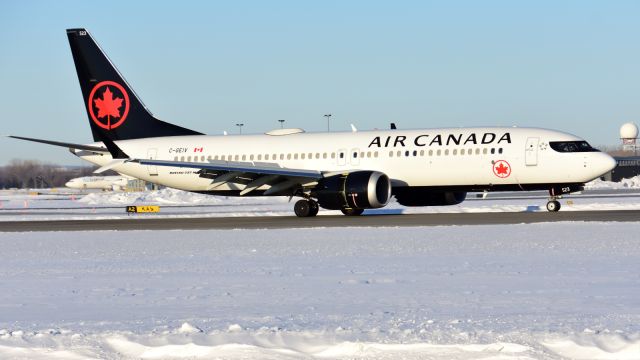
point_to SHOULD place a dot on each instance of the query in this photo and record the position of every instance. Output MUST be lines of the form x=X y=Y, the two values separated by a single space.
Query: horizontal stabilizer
x=64 y=144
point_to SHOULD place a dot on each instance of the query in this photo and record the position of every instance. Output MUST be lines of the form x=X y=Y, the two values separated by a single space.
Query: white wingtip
x=353 y=128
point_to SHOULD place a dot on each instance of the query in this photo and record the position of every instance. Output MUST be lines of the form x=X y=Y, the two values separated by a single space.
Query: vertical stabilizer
x=113 y=108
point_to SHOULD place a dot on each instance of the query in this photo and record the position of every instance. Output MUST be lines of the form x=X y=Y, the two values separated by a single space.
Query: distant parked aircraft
x=98 y=182
x=347 y=171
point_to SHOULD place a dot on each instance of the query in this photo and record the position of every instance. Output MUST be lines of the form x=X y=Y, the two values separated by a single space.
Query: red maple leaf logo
x=108 y=106
x=501 y=169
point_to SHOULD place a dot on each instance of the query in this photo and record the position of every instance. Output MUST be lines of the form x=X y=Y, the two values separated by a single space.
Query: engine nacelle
x=427 y=197
x=358 y=189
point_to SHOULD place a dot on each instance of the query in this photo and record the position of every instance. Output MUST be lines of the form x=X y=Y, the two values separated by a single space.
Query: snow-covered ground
x=539 y=291
x=65 y=204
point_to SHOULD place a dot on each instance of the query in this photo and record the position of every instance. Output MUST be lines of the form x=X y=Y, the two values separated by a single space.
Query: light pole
x=328 y=116
x=281 y=123
x=240 y=126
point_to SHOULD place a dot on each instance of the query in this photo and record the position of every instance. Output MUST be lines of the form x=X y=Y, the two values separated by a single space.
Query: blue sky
x=567 y=65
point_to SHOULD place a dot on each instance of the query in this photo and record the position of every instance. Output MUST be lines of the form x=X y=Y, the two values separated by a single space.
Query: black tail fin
x=114 y=109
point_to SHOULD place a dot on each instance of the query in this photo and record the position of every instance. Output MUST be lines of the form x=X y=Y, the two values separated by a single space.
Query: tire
x=553 y=206
x=352 y=211
x=302 y=208
x=313 y=208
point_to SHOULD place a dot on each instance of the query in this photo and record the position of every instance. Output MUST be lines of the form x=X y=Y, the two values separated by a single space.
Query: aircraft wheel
x=352 y=211
x=553 y=205
x=302 y=208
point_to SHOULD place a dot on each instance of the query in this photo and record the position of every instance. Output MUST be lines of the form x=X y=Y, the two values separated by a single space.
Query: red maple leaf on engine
x=108 y=106
x=501 y=169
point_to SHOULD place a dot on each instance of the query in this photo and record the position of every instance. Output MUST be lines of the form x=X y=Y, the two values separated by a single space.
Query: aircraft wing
x=250 y=174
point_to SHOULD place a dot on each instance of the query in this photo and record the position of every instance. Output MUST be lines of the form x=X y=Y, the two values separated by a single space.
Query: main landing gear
x=306 y=208
x=309 y=208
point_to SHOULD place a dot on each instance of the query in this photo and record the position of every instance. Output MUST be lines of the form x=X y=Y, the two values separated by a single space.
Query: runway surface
x=142 y=222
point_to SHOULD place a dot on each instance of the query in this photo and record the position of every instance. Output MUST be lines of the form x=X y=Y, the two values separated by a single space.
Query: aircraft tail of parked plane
x=348 y=171
x=113 y=108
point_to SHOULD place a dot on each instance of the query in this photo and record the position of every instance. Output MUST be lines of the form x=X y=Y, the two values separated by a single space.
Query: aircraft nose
x=68 y=184
x=606 y=163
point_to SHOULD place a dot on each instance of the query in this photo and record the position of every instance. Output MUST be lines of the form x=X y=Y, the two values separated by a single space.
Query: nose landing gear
x=553 y=205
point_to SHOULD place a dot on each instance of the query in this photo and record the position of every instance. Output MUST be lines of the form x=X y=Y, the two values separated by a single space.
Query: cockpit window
x=571 y=146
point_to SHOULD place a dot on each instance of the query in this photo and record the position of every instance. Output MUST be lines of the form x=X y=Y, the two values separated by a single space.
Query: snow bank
x=279 y=344
x=170 y=196
x=164 y=196
x=630 y=183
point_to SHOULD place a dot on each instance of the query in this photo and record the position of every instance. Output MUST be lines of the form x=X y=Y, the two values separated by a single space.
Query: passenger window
x=375 y=154
x=251 y=157
x=499 y=150
x=341 y=155
x=493 y=151
x=324 y=155
x=295 y=156
x=455 y=151
x=390 y=153
x=406 y=153
x=302 y=156
x=368 y=154
x=399 y=153
x=438 y=152
x=175 y=158
x=361 y=154
x=461 y=151
x=317 y=155
x=259 y=157
x=421 y=152
x=189 y=158
x=446 y=151
x=288 y=156
x=484 y=151
x=430 y=152
x=281 y=156
x=333 y=155
x=477 y=151
x=266 y=156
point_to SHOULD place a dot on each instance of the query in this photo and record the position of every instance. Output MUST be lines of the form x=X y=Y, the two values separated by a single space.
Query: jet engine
x=428 y=197
x=358 y=189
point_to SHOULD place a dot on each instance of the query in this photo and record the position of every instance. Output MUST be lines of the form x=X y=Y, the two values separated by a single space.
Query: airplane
x=346 y=171
x=98 y=182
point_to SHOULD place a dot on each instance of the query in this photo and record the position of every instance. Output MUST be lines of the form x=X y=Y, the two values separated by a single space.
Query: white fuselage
x=448 y=157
